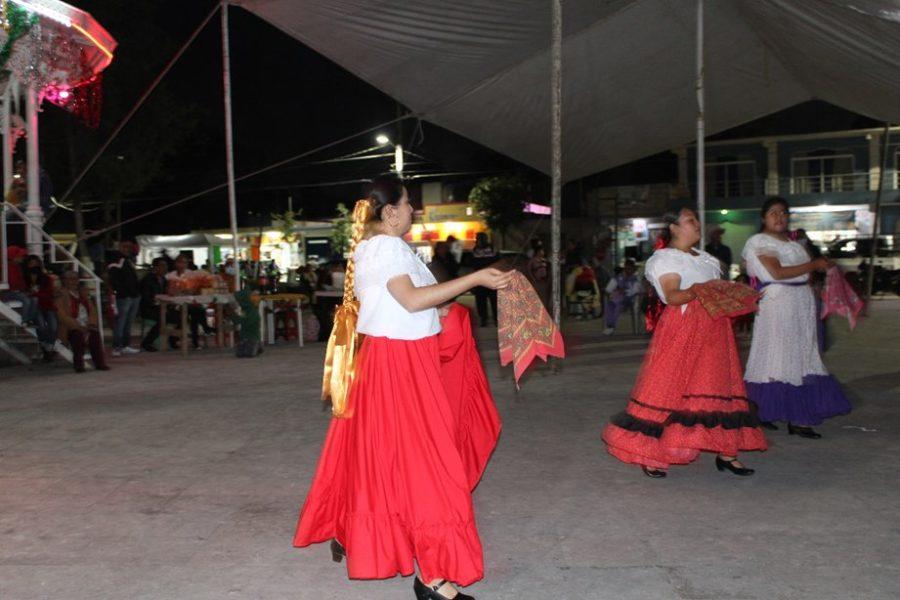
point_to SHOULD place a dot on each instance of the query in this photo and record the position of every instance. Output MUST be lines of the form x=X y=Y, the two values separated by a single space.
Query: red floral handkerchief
x=723 y=298
x=525 y=328
x=839 y=298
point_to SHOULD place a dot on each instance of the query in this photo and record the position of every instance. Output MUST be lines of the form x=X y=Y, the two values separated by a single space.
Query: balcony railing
x=821 y=184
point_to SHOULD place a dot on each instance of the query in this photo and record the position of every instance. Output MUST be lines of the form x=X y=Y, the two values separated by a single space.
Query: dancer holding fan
x=689 y=396
x=391 y=488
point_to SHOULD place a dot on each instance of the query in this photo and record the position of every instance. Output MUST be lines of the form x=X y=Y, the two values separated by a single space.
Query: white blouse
x=378 y=260
x=692 y=269
x=788 y=254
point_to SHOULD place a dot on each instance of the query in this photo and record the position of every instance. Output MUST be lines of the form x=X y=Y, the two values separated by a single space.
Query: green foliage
x=501 y=200
x=342 y=231
x=285 y=223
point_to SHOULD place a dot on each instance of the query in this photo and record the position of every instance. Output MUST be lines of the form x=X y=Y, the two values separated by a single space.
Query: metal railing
x=825 y=183
x=52 y=252
x=807 y=184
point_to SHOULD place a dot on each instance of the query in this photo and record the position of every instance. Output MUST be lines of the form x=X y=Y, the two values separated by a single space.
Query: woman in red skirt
x=392 y=488
x=689 y=396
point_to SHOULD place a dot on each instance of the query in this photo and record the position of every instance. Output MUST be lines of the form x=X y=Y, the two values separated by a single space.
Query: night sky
x=287 y=100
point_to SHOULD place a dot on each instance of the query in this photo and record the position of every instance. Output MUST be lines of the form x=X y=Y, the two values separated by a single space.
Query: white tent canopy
x=481 y=68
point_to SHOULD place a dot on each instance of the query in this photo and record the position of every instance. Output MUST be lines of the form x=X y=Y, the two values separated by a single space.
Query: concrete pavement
x=171 y=478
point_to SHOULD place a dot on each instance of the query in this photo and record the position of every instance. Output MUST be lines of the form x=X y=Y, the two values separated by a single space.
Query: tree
x=501 y=200
x=139 y=158
x=286 y=224
x=342 y=231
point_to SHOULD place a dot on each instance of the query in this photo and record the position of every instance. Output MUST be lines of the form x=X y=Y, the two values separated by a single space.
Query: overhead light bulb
x=382 y=139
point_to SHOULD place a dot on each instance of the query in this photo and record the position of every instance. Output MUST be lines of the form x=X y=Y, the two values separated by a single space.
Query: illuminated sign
x=438 y=213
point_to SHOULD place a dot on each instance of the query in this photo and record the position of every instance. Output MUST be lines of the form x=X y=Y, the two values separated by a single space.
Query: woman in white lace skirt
x=785 y=376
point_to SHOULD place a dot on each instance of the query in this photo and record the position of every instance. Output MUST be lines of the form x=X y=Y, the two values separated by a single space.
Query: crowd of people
x=59 y=307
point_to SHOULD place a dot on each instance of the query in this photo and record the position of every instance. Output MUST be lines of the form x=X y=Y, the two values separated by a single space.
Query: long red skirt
x=689 y=396
x=468 y=392
x=391 y=485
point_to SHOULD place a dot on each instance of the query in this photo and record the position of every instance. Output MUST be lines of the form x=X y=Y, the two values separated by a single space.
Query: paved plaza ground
x=174 y=478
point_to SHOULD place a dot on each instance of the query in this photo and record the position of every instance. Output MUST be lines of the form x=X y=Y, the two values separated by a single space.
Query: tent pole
x=33 y=168
x=7 y=142
x=556 y=151
x=229 y=144
x=876 y=221
x=701 y=127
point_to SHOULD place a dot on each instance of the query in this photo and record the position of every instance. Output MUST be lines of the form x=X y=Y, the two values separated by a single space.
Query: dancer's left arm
x=670 y=284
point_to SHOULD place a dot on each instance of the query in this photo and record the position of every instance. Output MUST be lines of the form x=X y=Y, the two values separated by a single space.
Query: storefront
x=438 y=221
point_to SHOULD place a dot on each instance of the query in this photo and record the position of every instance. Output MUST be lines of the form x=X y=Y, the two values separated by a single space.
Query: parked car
x=849 y=254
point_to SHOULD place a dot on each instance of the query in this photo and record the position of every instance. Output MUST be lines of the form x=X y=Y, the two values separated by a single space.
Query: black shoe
x=79 y=368
x=768 y=425
x=653 y=473
x=722 y=464
x=804 y=432
x=148 y=348
x=337 y=551
x=102 y=368
x=424 y=592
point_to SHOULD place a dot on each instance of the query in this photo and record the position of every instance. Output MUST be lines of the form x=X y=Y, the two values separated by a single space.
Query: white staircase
x=17 y=341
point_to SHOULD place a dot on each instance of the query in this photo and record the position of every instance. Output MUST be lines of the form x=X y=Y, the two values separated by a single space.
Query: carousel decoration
x=56 y=49
x=51 y=51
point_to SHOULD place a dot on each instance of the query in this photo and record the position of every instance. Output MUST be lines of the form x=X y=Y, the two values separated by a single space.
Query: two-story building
x=830 y=180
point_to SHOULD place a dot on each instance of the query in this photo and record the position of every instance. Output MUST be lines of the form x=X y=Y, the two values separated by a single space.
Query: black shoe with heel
x=337 y=551
x=722 y=464
x=804 y=432
x=425 y=592
x=653 y=473
x=768 y=425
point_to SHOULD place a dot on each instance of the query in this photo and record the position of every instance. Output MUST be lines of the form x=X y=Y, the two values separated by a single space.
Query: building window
x=730 y=177
x=823 y=171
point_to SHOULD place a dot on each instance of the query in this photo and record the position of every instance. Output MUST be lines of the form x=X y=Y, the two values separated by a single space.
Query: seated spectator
x=78 y=322
x=196 y=313
x=18 y=290
x=42 y=288
x=308 y=279
x=582 y=292
x=248 y=320
x=338 y=273
x=539 y=273
x=621 y=291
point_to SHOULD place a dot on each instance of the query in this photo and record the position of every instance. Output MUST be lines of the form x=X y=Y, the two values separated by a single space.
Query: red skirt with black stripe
x=689 y=396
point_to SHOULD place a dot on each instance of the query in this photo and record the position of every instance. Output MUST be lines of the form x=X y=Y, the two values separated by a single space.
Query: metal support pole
x=701 y=128
x=7 y=181
x=876 y=221
x=33 y=211
x=229 y=144
x=556 y=152
x=7 y=142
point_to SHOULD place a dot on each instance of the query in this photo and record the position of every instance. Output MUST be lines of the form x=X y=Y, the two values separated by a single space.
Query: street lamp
x=382 y=139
